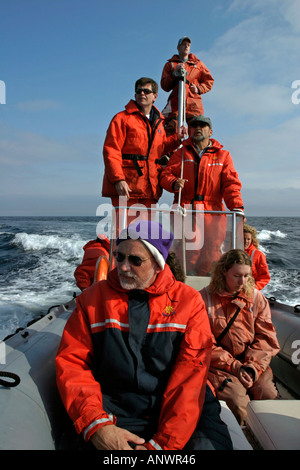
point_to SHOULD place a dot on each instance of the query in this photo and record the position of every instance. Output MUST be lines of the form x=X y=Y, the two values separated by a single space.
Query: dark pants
x=210 y=434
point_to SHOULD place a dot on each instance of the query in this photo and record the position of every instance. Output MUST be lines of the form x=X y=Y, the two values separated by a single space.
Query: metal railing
x=211 y=228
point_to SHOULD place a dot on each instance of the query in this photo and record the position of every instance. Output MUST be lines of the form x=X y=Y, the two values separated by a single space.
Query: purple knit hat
x=153 y=235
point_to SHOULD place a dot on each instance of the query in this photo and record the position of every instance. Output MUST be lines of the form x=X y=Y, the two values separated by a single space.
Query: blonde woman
x=244 y=338
x=260 y=270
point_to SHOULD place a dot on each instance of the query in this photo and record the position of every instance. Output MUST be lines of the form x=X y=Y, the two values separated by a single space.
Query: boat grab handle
x=9 y=375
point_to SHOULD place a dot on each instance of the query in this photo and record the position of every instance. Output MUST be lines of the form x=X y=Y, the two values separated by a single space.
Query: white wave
x=33 y=291
x=6 y=233
x=19 y=306
x=283 y=286
x=263 y=249
x=265 y=235
x=34 y=242
x=12 y=317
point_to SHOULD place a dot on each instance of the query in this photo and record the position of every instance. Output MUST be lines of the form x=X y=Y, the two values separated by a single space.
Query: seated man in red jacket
x=134 y=356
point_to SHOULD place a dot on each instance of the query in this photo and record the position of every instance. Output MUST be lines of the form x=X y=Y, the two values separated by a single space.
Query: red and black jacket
x=128 y=353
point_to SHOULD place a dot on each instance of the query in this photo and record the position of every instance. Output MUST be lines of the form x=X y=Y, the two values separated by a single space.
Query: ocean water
x=38 y=257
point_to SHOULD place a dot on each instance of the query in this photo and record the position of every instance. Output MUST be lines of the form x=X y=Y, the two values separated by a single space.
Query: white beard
x=130 y=281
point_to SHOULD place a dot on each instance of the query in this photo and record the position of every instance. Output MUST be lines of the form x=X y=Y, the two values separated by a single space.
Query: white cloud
x=255 y=62
x=266 y=157
x=254 y=65
x=291 y=11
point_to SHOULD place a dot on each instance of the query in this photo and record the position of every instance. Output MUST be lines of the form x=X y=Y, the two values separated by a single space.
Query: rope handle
x=8 y=383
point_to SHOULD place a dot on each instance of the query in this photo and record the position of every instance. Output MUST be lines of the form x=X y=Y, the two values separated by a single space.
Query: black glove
x=162 y=160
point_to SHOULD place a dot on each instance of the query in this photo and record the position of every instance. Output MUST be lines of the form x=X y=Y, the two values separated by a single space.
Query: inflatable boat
x=33 y=417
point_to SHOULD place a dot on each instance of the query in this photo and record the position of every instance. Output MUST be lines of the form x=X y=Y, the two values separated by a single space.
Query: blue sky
x=69 y=65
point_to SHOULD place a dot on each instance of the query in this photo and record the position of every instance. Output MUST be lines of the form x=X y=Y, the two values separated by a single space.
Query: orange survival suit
x=104 y=376
x=198 y=74
x=133 y=144
x=210 y=180
x=250 y=342
x=260 y=270
x=84 y=273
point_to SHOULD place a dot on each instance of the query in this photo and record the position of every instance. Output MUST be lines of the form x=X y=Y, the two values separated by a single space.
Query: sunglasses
x=132 y=259
x=145 y=90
